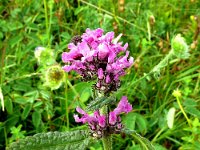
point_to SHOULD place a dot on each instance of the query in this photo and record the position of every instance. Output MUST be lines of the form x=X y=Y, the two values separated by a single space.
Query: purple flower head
x=95 y=55
x=123 y=106
x=112 y=117
x=100 y=73
x=103 y=123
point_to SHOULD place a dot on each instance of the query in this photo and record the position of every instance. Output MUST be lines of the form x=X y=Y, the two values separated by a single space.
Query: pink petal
x=81 y=111
x=108 y=79
x=112 y=118
x=102 y=121
x=100 y=73
x=123 y=106
x=77 y=119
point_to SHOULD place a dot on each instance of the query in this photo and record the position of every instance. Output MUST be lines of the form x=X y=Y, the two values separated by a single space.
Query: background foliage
x=148 y=27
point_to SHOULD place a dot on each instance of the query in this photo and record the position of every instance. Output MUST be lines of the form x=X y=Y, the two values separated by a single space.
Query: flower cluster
x=95 y=55
x=105 y=124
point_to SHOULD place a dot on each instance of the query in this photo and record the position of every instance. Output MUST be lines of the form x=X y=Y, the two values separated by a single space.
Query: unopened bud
x=180 y=47
x=152 y=20
x=54 y=77
x=176 y=93
x=44 y=56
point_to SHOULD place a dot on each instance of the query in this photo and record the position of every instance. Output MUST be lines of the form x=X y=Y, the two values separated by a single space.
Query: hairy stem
x=66 y=102
x=107 y=138
x=163 y=63
x=107 y=142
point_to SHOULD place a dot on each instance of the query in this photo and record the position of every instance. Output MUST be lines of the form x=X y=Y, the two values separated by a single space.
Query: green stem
x=158 y=134
x=107 y=142
x=107 y=138
x=143 y=77
x=182 y=110
x=47 y=21
x=6 y=139
x=163 y=63
x=66 y=103
x=46 y=15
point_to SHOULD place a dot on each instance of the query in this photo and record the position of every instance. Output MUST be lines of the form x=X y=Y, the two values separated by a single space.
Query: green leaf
x=26 y=111
x=74 y=140
x=135 y=120
x=36 y=118
x=37 y=104
x=99 y=102
x=129 y=121
x=159 y=147
x=145 y=143
x=8 y=105
x=85 y=95
x=193 y=111
x=189 y=102
x=15 y=40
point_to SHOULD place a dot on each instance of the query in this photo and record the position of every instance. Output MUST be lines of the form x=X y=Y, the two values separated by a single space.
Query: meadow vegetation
x=165 y=104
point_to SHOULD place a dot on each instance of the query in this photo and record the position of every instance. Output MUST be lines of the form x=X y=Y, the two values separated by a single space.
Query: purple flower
x=103 y=51
x=103 y=123
x=112 y=117
x=100 y=73
x=123 y=106
x=95 y=56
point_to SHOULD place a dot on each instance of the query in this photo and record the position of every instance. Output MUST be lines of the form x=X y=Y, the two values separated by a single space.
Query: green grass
x=26 y=24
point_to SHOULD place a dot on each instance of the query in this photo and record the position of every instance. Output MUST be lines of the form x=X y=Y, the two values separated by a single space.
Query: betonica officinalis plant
x=94 y=56
x=102 y=59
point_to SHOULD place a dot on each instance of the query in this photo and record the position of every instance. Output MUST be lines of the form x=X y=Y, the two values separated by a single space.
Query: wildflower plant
x=95 y=56
x=101 y=59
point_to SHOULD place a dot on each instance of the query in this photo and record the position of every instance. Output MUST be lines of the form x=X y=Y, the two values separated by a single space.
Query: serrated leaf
x=26 y=111
x=36 y=118
x=99 y=102
x=145 y=143
x=74 y=140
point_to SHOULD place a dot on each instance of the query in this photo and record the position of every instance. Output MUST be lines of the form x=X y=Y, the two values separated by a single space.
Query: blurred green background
x=147 y=25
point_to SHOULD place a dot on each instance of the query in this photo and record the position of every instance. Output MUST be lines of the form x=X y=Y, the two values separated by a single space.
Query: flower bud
x=152 y=20
x=176 y=93
x=54 y=77
x=180 y=47
x=44 y=56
